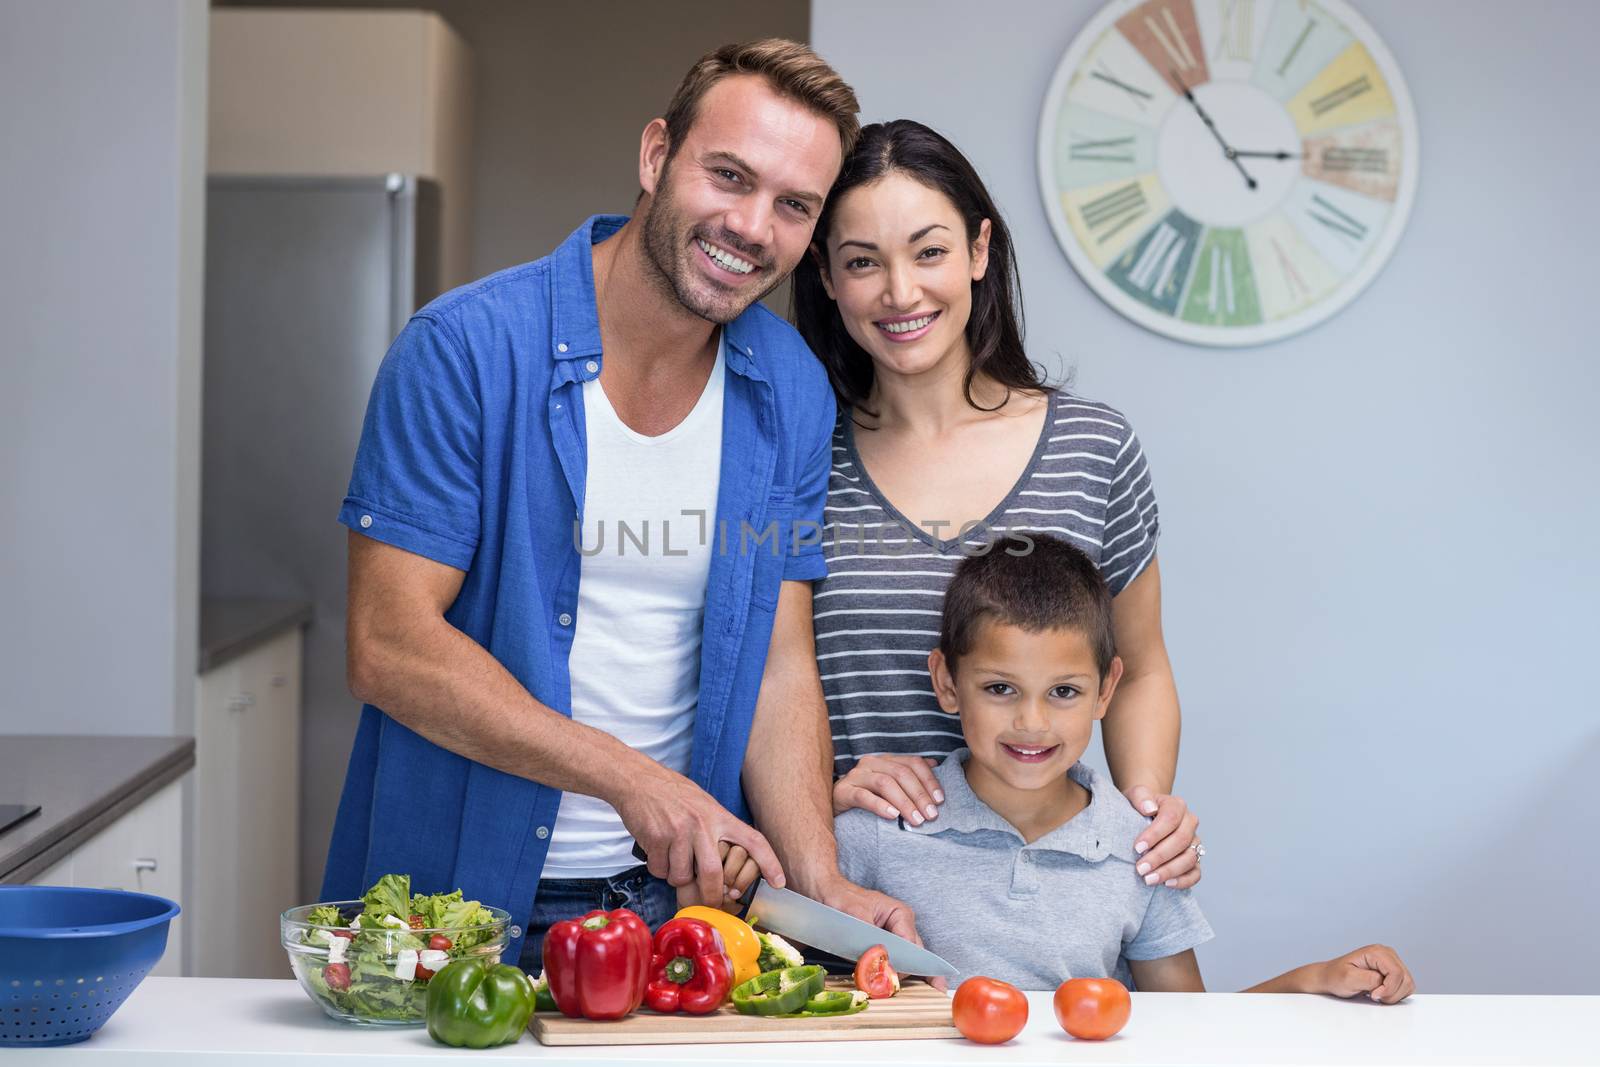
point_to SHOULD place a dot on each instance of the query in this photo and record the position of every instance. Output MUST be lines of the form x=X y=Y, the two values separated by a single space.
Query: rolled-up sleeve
x=417 y=477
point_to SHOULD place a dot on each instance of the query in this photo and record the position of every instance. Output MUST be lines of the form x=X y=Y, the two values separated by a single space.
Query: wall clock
x=1228 y=172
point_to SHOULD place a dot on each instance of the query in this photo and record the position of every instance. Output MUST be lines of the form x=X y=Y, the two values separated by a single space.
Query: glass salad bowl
x=375 y=972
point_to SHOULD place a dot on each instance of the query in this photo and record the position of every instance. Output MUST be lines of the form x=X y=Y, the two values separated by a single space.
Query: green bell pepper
x=784 y=992
x=478 y=1003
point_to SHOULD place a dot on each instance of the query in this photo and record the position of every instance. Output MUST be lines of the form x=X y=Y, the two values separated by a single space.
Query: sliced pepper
x=689 y=970
x=738 y=939
x=784 y=992
x=543 y=999
x=836 y=1002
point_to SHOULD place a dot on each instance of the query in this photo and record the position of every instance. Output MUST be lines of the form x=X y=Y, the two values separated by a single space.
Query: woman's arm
x=1141 y=731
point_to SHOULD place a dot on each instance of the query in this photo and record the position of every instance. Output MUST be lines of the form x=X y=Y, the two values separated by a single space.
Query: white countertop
x=265 y=1023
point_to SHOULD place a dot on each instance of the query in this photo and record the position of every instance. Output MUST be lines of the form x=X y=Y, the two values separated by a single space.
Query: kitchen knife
x=792 y=915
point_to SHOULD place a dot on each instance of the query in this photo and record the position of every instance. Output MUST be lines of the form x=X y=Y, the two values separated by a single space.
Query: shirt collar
x=575 y=321
x=1107 y=827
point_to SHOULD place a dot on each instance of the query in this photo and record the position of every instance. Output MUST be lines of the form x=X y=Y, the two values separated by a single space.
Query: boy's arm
x=1170 y=974
x=1375 y=970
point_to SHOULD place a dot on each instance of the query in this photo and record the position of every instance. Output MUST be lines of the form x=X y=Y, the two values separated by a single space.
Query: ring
x=1198 y=849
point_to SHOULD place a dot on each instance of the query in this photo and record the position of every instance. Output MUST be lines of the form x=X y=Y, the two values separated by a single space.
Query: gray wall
x=101 y=208
x=1378 y=551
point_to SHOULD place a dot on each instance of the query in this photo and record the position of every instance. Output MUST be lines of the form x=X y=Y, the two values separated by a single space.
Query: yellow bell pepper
x=738 y=939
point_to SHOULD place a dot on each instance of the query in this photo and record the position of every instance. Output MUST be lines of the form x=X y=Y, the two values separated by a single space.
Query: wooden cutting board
x=917 y=1011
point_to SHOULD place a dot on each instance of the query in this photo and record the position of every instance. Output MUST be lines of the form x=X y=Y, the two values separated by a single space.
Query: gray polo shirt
x=1069 y=905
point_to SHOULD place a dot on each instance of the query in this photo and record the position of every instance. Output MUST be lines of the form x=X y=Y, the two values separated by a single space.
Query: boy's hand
x=1375 y=971
x=739 y=873
x=891 y=787
x=1165 y=857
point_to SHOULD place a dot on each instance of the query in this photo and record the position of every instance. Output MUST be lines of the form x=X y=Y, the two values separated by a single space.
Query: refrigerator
x=307 y=281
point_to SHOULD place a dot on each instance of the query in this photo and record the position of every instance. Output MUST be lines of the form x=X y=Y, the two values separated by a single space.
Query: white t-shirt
x=650 y=504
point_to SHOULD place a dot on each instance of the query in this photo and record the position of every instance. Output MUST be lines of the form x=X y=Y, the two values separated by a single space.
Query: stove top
x=12 y=814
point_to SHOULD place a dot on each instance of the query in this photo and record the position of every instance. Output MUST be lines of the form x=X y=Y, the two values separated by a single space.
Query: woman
x=947 y=435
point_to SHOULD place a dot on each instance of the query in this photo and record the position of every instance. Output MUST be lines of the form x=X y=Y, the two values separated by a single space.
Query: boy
x=1028 y=873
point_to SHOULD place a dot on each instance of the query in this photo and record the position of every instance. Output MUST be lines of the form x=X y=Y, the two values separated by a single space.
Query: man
x=552 y=692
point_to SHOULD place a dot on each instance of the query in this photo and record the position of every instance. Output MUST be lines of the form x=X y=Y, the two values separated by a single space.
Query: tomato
x=348 y=935
x=875 y=976
x=337 y=975
x=989 y=1011
x=440 y=943
x=1092 y=1008
x=418 y=922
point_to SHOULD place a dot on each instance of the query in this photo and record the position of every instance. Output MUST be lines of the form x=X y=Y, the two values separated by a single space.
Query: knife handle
x=744 y=901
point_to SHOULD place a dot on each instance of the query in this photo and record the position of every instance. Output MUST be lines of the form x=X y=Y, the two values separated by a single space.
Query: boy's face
x=1027 y=701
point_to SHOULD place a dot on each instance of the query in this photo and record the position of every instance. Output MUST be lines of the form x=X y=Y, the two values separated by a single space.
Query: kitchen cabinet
x=344 y=92
x=247 y=809
x=141 y=851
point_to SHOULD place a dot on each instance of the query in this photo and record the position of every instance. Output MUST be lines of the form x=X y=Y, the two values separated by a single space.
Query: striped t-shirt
x=876 y=614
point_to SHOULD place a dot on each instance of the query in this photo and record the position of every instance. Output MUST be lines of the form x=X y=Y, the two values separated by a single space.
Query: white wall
x=1378 y=536
x=101 y=241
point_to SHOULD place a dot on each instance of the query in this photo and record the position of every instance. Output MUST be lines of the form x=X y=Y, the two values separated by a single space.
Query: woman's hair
x=994 y=330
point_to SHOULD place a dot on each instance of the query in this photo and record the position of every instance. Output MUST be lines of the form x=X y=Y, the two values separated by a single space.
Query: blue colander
x=70 y=957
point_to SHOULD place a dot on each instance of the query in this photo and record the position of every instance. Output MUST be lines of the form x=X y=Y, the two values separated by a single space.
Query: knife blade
x=792 y=915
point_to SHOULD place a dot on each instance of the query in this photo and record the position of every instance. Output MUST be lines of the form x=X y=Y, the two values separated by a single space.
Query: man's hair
x=789 y=67
x=1048 y=586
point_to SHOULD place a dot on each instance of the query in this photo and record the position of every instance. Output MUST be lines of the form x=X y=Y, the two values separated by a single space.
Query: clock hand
x=1232 y=156
x=1242 y=154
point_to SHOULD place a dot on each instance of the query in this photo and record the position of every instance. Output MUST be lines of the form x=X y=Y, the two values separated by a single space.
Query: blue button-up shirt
x=473 y=454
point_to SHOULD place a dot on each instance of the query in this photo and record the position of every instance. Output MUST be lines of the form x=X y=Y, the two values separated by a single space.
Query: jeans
x=647 y=896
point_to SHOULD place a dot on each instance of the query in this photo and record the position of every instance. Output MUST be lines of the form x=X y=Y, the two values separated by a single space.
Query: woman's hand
x=1165 y=857
x=890 y=787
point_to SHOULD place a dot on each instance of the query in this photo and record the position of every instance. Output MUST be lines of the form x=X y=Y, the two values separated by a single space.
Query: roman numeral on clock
x=1101 y=72
x=1361 y=160
x=1299 y=43
x=1336 y=220
x=1167 y=34
x=1238 y=23
x=1107 y=150
x=1345 y=93
x=1153 y=272
x=1108 y=215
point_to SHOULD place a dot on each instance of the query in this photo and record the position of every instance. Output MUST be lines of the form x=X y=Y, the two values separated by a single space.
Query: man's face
x=733 y=213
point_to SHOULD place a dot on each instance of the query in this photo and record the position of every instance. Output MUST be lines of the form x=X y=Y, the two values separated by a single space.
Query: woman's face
x=901 y=271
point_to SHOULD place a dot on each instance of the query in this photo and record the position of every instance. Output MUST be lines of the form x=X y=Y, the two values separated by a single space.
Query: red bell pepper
x=690 y=970
x=598 y=965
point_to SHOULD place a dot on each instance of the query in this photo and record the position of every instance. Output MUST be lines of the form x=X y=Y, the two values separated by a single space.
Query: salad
x=370 y=960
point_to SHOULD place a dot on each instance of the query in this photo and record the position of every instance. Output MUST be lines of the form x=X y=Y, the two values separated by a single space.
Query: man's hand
x=1165 y=857
x=877 y=909
x=679 y=826
x=1375 y=970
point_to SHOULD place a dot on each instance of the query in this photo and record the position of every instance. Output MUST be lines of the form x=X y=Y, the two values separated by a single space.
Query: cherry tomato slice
x=337 y=975
x=417 y=922
x=989 y=1011
x=1092 y=1009
x=875 y=976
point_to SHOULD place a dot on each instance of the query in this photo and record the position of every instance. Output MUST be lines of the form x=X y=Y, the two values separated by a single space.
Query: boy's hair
x=1035 y=583
x=789 y=67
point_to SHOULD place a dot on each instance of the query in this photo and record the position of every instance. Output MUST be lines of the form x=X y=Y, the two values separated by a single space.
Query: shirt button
x=366 y=521
x=564 y=619
x=561 y=347
x=542 y=832
x=591 y=366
